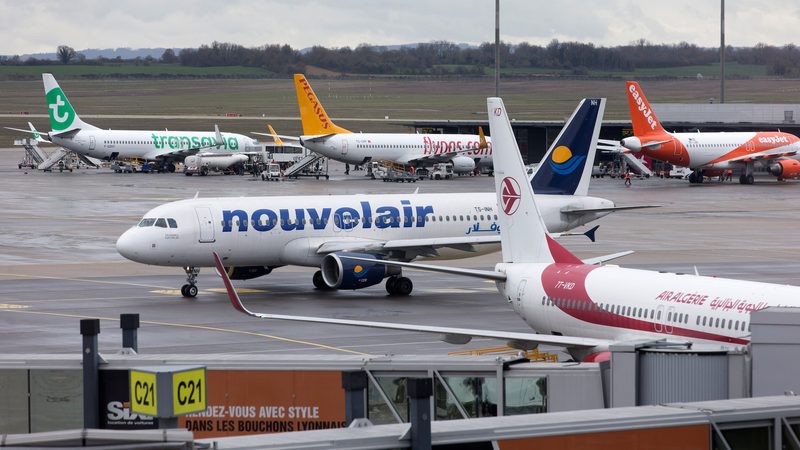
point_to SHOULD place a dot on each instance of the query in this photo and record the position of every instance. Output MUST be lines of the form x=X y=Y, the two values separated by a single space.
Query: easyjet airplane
x=322 y=136
x=709 y=154
x=582 y=307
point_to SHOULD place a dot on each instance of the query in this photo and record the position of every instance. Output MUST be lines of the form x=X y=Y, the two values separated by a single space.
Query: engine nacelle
x=463 y=164
x=247 y=272
x=785 y=168
x=632 y=143
x=341 y=273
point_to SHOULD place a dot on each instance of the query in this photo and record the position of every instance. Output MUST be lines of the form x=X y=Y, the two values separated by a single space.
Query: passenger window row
x=645 y=313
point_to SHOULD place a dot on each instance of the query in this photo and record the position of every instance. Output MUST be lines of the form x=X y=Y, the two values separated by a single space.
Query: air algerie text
x=345 y=218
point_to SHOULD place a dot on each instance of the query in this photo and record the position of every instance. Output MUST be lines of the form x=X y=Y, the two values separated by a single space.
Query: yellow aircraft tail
x=482 y=137
x=278 y=140
x=315 y=119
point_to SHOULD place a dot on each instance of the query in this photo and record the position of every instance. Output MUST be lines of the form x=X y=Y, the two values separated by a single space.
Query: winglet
x=482 y=137
x=275 y=137
x=218 y=135
x=233 y=296
x=591 y=233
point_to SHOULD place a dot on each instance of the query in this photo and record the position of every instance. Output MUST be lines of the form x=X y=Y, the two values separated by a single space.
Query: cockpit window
x=172 y=223
x=161 y=223
x=147 y=222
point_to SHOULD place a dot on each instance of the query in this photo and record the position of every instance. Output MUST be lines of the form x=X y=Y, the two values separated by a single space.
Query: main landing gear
x=189 y=290
x=319 y=282
x=747 y=176
x=399 y=285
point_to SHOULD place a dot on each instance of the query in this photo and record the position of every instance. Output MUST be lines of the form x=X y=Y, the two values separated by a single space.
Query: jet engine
x=247 y=272
x=463 y=164
x=785 y=168
x=631 y=143
x=342 y=273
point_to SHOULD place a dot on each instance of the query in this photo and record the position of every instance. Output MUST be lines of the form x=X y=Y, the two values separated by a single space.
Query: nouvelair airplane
x=255 y=235
x=709 y=154
x=322 y=136
x=581 y=307
x=166 y=147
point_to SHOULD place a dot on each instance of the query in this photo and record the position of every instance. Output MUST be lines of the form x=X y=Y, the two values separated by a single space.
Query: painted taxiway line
x=196 y=327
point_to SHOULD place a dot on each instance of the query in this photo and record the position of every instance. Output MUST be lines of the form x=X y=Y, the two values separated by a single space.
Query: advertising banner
x=260 y=401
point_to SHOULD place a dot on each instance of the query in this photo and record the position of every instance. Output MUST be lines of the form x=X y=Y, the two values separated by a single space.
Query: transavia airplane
x=322 y=136
x=166 y=147
x=255 y=235
x=709 y=154
x=581 y=307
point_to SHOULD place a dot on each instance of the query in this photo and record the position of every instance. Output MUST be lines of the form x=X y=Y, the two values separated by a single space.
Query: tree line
x=443 y=58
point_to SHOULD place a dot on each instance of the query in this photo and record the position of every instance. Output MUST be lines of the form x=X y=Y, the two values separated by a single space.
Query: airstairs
x=304 y=163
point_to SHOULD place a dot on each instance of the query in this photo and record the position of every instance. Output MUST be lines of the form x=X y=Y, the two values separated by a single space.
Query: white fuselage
x=150 y=145
x=714 y=150
x=402 y=148
x=617 y=304
x=275 y=231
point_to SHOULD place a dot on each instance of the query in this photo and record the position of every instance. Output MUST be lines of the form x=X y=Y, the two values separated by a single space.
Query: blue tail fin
x=567 y=166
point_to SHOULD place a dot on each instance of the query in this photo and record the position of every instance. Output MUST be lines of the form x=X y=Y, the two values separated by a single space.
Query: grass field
x=129 y=70
x=537 y=99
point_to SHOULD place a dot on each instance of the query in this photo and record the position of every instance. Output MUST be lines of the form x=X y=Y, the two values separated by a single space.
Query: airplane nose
x=126 y=245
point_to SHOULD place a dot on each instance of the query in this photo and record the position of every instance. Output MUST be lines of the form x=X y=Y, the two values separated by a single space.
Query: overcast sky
x=36 y=26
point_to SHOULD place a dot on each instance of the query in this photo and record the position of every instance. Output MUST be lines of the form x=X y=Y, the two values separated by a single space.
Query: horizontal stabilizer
x=277 y=137
x=609 y=209
x=606 y=258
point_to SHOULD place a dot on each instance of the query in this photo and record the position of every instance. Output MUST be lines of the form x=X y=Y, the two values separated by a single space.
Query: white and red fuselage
x=617 y=304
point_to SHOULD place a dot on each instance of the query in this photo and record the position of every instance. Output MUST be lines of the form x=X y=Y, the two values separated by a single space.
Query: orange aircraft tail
x=312 y=114
x=642 y=116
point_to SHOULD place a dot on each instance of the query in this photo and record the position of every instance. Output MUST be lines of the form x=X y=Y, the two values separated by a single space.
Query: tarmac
x=58 y=263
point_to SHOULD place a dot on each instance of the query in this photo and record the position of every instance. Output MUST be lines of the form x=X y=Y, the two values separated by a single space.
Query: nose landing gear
x=189 y=290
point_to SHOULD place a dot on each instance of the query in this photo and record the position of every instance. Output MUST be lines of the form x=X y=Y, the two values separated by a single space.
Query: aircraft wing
x=447 y=334
x=421 y=247
x=767 y=154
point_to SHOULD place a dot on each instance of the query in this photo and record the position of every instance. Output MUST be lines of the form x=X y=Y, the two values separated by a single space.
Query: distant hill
x=92 y=53
x=461 y=46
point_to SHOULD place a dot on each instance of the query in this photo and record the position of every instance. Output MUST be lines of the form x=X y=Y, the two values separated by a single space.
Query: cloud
x=40 y=26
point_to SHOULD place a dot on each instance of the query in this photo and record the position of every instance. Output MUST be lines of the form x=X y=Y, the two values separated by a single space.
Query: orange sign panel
x=256 y=402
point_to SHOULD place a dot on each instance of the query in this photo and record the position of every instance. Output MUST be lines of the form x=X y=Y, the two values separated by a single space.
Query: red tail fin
x=642 y=116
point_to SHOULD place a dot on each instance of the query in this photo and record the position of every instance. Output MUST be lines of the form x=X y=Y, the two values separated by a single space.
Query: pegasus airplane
x=254 y=235
x=321 y=135
x=581 y=307
x=165 y=147
x=709 y=154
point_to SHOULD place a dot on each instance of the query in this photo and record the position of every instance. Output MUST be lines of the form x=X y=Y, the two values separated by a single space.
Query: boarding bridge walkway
x=302 y=164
